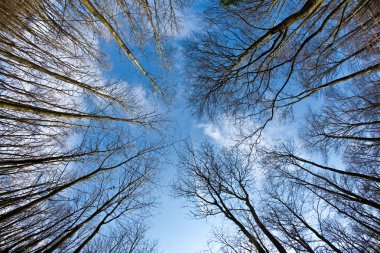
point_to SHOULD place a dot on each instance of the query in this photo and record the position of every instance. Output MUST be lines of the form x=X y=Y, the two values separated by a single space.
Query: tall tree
x=73 y=159
x=280 y=202
x=258 y=59
x=256 y=62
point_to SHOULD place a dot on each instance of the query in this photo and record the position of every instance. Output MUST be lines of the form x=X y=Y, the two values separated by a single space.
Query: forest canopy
x=82 y=150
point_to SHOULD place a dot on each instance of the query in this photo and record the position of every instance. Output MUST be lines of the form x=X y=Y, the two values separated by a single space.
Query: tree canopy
x=81 y=150
x=262 y=62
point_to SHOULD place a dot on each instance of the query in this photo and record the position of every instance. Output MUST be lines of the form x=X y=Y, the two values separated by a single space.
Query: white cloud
x=188 y=23
x=225 y=132
x=215 y=133
x=228 y=132
x=142 y=100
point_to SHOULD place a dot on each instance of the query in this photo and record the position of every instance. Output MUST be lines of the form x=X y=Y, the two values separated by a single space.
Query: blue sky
x=172 y=225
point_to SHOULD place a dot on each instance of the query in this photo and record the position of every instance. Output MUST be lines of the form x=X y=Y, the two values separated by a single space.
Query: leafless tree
x=257 y=59
x=132 y=239
x=73 y=158
x=223 y=184
x=348 y=123
x=279 y=201
x=344 y=201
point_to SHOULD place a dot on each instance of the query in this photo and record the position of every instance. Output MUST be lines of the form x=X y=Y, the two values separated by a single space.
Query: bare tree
x=346 y=200
x=258 y=59
x=132 y=239
x=222 y=184
x=348 y=123
x=72 y=199
x=73 y=158
x=295 y=204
